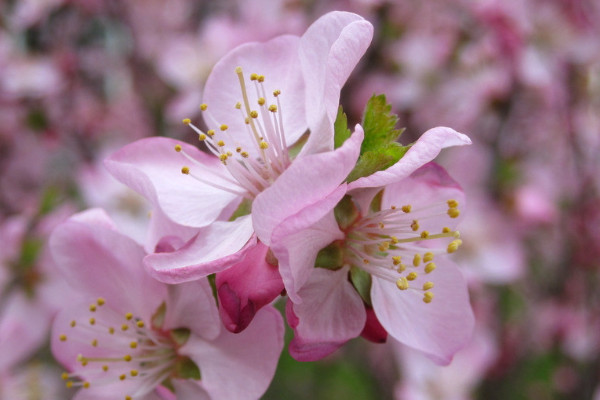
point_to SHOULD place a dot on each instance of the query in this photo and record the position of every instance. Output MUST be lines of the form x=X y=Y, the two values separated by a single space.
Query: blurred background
x=80 y=78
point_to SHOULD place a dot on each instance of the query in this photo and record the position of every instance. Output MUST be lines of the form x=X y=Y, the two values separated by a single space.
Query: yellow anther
x=185 y=170
x=381 y=225
x=273 y=108
x=264 y=145
x=384 y=246
x=428 y=257
x=223 y=127
x=276 y=92
x=220 y=143
x=261 y=78
x=397 y=260
x=203 y=106
x=210 y=132
x=245 y=154
x=122 y=377
x=247 y=121
x=401 y=268
x=92 y=308
x=402 y=283
x=427 y=297
x=414 y=225
x=186 y=121
x=454 y=245
x=128 y=398
x=445 y=230
x=140 y=324
x=79 y=357
x=452 y=203
x=365 y=261
x=253 y=76
x=64 y=376
x=124 y=327
x=417 y=260
x=105 y=368
x=111 y=330
x=92 y=321
x=394 y=239
x=100 y=301
x=223 y=157
x=453 y=212
x=84 y=363
x=69 y=384
x=178 y=148
x=128 y=316
x=392 y=207
x=424 y=234
x=201 y=137
x=134 y=372
x=73 y=323
x=254 y=114
x=428 y=285
x=430 y=267
x=412 y=276
x=261 y=101
x=238 y=105
x=95 y=342
x=238 y=149
x=86 y=385
x=127 y=357
x=407 y=208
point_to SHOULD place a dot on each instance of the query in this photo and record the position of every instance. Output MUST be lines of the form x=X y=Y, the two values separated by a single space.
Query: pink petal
x=373 y=330
x=329 y=51
x=152 y=168
x=192 y=305
x=214 y=249
x=297 y=251
x=101 y=262
x=307 y=181
x=247 y=287
x=422 y=151
x=330 y=314
x=240 y=366
x=438 y=329
x=161 y=226
x=189 y=390
x=277 y=60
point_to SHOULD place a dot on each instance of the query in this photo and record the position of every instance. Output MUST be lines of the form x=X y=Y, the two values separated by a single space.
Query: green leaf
x=379 y=124
x=330 y=257
x=361 y=280
x=244 y=208
x=345 y=212
x=185 y=368
x=377 y=160
x=180 y=336
x=340 y=128
x=294 y=149
x=158 y=318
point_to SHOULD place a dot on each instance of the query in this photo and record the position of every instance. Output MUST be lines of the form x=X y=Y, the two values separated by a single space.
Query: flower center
x=121 y=350
x=252 y=169
x=392 y=244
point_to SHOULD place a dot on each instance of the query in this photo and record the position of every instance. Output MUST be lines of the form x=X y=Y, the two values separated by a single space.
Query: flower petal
x=189 y=390
x=214 y=249
x=240 y=366
x=277 y=60
x=329 y=51
x=330 y=314
x=307 y=181
x=422 y=151
x=152 y=168
x=438 y=329
x=246 y=287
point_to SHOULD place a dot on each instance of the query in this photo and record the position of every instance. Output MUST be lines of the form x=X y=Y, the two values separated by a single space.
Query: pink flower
x=256 y=123
x=400 y=241
x=130 y=334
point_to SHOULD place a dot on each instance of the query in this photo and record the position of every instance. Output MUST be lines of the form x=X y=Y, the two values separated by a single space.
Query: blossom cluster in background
x=262 y=261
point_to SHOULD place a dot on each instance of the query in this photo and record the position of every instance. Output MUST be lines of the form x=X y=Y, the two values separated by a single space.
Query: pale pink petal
x=214 y=249
x=152 y=168
x=438 y=329
x=297 y=251
x=308 y=180
x=330 y=314
x=329 y=51
x=101 y=262
x=422 y=151
x=192 y=305
x=189 y=390
x=246 y=287
x=240 y=366
x=277 y=60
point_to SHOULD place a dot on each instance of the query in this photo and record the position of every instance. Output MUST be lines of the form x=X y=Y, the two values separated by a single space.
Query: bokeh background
x=80 y=78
